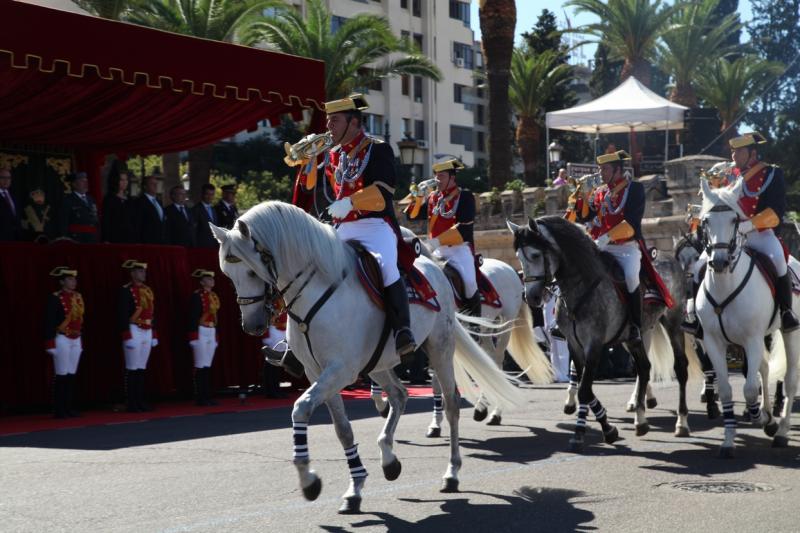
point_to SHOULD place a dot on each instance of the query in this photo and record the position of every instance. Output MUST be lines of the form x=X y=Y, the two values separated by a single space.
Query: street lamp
x=554 y=152
x=407 y=148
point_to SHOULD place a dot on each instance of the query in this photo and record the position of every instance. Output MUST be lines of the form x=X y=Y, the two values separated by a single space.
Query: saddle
x=651 y=292
x=489 y=295
x=418 y=287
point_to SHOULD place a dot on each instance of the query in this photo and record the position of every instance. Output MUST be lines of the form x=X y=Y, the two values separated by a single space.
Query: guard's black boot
x=59 y=397
x=207 y=386
x=286 y=360
x=131 y=376
x=789 y=320
x=398 y=315
x=199 y=393
x=271 y=382
x=472 y=307
x=69 y=397
x=635 y=314
x=140 y=384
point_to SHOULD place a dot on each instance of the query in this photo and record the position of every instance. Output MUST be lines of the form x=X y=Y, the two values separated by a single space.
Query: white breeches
x=275 y=337
x=559 y=351
x=379 y=238
x=204 y=347
x=629 y=258
x=460 y=257
x=137 y=348
x=68 y=353
x=768 y=244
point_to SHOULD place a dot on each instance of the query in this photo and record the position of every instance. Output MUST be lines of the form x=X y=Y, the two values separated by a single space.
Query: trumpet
x=307 y=148
x=717 y=174
x=592 y=181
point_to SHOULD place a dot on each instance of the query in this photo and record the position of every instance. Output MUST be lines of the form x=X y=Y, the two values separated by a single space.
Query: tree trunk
x=528 y=136
x=638 y=68
x=199 y=169
x=498 y=19
x=171 y=165
x=683 y=93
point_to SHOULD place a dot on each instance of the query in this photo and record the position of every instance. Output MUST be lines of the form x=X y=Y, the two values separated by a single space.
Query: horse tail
x=695 y=366
x=525 y=350
x=660 y=355
x=476 y=372
x=777 y=358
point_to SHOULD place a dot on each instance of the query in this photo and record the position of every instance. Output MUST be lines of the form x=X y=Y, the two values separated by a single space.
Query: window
x=416 y=8
x=403 y=4
x=375 y=85
x=461 y=135
x=479 y=109
x=419 y=130
x=418 y=41
x=460 y=10
x=417 y=88
x=336 y=23
x=481 y=142
x=463 y=55
x=373 y=123
x=479 y=92
x=405 y=84
x=458 y=93
x=406 y=126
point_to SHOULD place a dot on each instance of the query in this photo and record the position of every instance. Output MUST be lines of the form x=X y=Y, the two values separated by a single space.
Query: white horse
x=735 y=306
x=276 y=249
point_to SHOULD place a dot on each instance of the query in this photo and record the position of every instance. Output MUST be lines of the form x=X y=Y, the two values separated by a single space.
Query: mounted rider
x=613 y=215
x=450 y=211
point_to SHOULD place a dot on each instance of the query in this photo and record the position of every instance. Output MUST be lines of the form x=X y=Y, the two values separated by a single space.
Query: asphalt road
x=232 y=472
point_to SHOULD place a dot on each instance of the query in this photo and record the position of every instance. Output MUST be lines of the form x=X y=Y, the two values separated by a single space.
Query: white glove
x=192 y=342
x=433 y=243
x=746 y=227
x=603 y=240
x=340 y=208
x=51 y=351
x=154 y=343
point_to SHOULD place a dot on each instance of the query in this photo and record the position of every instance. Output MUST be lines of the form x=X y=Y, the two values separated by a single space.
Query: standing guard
x=450 y=211
x=614 y=219
x=203 y=334
x=136 y=322
x=62 y=337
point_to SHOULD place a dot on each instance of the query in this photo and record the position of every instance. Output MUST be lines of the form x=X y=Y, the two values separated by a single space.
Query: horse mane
x=295 y=238
x=728 y=196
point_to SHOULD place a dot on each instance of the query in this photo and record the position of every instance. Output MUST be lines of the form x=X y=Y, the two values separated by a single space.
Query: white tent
x=629 y=107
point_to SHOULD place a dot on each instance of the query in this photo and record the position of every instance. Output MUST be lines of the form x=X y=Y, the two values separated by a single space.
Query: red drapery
x=26 y=370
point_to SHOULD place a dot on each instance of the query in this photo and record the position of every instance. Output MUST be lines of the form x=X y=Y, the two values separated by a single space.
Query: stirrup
x=789 y=321
x=557 y=333
x=690 y=326
x=634 y=333
x=404 y=342
x=272 y=356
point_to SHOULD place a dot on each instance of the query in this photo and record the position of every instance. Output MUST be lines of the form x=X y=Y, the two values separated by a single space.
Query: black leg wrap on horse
x=783 y=291
x=397 y=313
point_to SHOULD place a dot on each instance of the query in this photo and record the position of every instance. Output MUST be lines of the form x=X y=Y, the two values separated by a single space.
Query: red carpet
x=12 y=425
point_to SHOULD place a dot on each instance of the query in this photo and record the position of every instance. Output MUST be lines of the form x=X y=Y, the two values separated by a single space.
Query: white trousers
x=379 y=238
x=460 y=257
x=275 y=337
x=629 y=258
x=559 y=351
x=68 y=354
x=768 y=244
x=204 y=346
x=137 y=348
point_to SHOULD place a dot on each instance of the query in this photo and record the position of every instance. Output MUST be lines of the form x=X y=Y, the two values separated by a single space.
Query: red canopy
x=99 y=86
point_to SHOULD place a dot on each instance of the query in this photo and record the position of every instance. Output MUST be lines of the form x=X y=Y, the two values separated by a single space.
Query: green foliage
x=534 y=80
x=515 y=185
x=264 y=153
x=152 y=165
x=107 y=9
x=543 y=37
x=474 y=178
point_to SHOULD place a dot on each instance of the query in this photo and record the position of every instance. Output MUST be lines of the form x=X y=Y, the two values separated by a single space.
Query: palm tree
x=361 y=51
x=629 y=28
x=731 y=87
x=694 y=40
x=498 y=19
x=534 y=79
x=107 y=9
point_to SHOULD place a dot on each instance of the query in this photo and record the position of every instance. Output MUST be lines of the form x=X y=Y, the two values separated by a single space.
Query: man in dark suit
x=9 y=209
x=226 y=208
x=203 y=214
x=181 y=223
x=79 y=220
x=149 y=219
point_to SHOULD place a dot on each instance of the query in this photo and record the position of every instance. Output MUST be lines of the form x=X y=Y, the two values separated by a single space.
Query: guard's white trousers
x=137 y=348
x=629 y=258
x=67 y=355
x=204 y=346
x=559 y=351
x=379 y=238
x=765 y=242
x=460 y=257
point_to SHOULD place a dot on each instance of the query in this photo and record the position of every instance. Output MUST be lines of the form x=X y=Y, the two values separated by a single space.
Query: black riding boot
x=271 y=381
x=789 y=320
x=207 y=386
x=199 y=392
x=635 y=314
x=140 y=394
x=398 y=315
x=59 y=396
x=286 y=360
x=472 y=307
x=69 y=397
x=131 y=377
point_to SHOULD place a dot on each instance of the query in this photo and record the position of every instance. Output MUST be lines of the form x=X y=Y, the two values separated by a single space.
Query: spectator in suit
x=181 y=223
x=117 y=223
x=226 y=208
x=203 y=214
x=79 y=220
x=149 y=218
x=9 y=209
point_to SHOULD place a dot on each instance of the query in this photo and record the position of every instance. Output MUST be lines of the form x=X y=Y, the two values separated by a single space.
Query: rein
x=720 y=307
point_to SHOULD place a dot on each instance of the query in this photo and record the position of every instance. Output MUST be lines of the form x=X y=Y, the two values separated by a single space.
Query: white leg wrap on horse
x=357 y=469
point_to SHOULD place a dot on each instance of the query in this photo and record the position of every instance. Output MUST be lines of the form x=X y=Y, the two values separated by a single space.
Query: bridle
x=733 y=251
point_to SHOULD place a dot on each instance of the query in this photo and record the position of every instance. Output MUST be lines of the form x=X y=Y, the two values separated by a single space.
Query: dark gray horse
x=593 y=318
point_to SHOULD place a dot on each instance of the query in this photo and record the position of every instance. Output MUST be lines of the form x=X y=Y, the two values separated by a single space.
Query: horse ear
x=221 y=234
x=675 y=241
x=513 y=228
x=243 y=229
x=533 y=225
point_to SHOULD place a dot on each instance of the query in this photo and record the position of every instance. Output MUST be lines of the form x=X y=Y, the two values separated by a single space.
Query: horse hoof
x=311 y=492
x=631 y=407
x=385 y=411
x=351 y=505
x=575 y=446
x=434 y=433
x=652 y=403
x=479 y=415
x=392 y=470
x=712 y=410
x=682 y=431
x=780 y=442
x=642 y=429
x=495 y=420
x=449 y=484
x=771 y=428
x=569 y=409
x=703 y=397
x=726 y=452
x=611 y=436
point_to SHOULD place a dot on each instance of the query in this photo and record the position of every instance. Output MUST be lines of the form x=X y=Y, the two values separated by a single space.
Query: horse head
x=534 y=252
x=248 y=268
x=719 y=223
x=687 y=251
